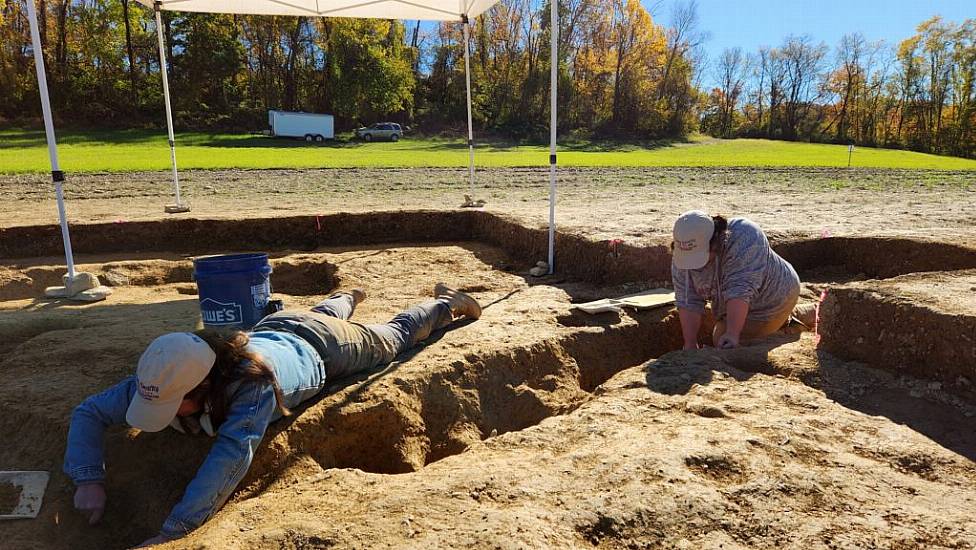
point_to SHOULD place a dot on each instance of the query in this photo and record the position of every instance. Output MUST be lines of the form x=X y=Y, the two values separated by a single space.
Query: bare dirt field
x=630 y=204
x=536 y=426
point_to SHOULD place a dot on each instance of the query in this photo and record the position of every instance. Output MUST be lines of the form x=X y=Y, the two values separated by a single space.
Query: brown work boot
x=460 y=303
x=806 y=314
x=358 y=295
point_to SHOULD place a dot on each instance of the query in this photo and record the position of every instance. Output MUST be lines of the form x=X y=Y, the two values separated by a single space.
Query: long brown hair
x=234 y=362
x=721 y=226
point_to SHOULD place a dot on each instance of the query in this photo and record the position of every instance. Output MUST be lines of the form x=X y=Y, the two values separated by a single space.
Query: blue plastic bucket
x=234 y=289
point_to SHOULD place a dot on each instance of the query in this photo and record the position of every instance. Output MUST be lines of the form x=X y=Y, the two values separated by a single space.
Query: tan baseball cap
x=171 y=366
x=692 y=233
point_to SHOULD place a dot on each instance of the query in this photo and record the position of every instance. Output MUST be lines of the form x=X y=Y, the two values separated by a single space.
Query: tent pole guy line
x=169 y=108
x=52 y=145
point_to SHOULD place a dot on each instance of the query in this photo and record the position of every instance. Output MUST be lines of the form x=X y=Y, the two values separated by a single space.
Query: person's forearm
x=736 y=311
x=217 y=477
x=83 y=460
x=83 y=457
x=690 y=325
x=228 y=461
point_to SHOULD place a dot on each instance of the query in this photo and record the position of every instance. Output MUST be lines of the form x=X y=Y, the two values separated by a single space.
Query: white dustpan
x=31 y=486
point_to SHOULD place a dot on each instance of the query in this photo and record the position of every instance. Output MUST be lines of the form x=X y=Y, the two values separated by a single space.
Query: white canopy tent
x=436 y=10
x=431 y=10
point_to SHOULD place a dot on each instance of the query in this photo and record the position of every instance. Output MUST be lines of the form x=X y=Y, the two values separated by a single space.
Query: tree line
x=919 y=94
x=622 y=74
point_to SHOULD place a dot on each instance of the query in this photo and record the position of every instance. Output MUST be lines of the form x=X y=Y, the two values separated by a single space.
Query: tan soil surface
x=689 y=451
x=492 y=428
x=952 y=293
x=630 y=204
x=921 y=323
x=9 y=497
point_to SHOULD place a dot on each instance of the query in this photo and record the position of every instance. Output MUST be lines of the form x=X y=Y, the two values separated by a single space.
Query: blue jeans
x=347 y=347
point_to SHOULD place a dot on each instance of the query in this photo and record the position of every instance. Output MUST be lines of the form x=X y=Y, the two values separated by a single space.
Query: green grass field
x=123 y=151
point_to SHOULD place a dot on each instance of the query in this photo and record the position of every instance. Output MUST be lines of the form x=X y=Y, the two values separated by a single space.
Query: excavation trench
x=388 y=422
x=602 y=262
x=411 y=423
x=530 y=358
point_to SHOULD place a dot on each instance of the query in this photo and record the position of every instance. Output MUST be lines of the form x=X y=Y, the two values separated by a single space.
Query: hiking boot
x=806 y=314
x=460 y=303
x=358 y=295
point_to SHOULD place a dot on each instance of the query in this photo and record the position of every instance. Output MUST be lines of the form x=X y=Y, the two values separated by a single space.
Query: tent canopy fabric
x=432 y=10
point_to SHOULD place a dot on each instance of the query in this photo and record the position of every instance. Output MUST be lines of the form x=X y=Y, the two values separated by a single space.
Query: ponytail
x=721 y=226
x=234 y=362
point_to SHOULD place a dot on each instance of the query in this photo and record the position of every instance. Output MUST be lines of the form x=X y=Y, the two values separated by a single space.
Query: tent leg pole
x=553 y=74
x=467 y=83
x=69 y=258
x=169 y=108
x=52 y=145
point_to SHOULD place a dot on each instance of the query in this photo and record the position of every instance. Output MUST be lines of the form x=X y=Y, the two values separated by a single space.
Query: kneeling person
x=729 y=263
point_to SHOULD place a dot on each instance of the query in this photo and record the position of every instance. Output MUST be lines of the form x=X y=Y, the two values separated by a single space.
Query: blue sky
x=753 y=23
x=750 y=24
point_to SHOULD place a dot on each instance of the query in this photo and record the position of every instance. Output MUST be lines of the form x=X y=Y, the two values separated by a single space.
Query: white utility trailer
x=308 y=126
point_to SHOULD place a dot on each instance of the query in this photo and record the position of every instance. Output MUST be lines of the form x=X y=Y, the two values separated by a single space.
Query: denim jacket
x=252 y=406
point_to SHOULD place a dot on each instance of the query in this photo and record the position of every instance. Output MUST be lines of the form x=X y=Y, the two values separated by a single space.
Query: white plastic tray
x=32 y=486
x=648 y=299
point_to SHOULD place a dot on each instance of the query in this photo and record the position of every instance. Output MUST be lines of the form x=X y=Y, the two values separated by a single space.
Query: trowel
x=28 y=490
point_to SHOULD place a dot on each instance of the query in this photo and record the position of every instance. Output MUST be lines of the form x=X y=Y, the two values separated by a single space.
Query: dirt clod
x=716 y=467
x=706 y=411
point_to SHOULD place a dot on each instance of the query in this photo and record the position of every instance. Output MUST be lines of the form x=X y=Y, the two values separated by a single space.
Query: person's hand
x=90 y=501
x=728 y=341
x=158 y=539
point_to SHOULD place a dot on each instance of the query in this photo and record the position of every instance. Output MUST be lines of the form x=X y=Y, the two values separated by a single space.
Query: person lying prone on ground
x=729 y=263
x=232 y=386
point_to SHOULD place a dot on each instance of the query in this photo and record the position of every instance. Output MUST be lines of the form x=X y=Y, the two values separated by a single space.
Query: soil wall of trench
x=577 y=258
x=599 y=262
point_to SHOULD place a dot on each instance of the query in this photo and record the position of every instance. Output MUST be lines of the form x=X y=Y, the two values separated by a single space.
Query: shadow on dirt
x=677 y=372
x=878 y=393
x=868 y=390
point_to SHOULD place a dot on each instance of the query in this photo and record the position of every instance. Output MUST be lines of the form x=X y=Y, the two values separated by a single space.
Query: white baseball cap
x=171 y=366
x=692 y=233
